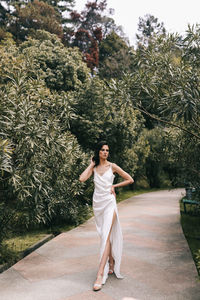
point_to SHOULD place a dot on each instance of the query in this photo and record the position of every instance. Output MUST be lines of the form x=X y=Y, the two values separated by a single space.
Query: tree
x=62 y=68
x=90 y=27
x=115 y=57
x=35 y=15
x=149 y=27
x=87 y=31
x=158 y=165
x=8 y=7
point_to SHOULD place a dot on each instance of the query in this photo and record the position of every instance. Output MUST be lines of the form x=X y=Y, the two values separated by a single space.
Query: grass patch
x=22 y=242
x=13 y=247
x=191 y=228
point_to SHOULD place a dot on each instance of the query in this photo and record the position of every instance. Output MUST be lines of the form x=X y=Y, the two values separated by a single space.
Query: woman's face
x=104 y=152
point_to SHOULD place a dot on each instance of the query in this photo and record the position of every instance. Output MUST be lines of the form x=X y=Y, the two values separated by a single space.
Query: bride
x=105 y=211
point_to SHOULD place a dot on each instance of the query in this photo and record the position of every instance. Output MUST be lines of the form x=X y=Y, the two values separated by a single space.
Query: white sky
x=175 y=14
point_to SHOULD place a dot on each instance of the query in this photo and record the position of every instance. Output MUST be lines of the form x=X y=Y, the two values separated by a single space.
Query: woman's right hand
x=92 y=163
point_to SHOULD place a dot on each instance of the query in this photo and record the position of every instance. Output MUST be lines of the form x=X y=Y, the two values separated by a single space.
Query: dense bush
x=158 y=166
x=165 y=88
x=102 y=115
x=46 y=158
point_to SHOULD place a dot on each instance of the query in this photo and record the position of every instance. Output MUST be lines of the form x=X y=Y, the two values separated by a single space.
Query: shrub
x=46 y=157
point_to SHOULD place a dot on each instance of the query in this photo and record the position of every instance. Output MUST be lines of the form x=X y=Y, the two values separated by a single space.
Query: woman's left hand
x=113 y=191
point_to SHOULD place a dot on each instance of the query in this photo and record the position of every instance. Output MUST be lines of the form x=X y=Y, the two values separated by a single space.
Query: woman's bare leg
x=111 y=259
x=106 y=254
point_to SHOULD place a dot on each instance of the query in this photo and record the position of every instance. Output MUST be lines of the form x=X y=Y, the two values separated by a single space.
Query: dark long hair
x=96 y=152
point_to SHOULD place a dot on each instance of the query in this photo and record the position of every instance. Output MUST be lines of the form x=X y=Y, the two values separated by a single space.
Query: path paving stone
x=156 y=263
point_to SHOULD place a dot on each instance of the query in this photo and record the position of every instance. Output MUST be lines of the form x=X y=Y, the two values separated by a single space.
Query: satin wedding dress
x=104 y=205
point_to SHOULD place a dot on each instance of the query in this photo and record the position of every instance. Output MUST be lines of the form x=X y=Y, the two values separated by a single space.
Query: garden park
x=69 y=82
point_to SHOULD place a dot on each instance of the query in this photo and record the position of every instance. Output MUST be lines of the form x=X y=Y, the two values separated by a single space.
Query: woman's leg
x=107 y=252
x=111 y=259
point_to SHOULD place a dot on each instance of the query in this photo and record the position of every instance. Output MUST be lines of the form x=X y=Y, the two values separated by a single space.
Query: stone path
x=156 y=262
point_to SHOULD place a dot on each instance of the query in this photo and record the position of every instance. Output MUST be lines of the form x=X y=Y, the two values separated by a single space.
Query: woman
x=105 y=211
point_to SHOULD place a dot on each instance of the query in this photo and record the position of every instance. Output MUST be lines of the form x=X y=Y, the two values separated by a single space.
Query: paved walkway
x=156 y=263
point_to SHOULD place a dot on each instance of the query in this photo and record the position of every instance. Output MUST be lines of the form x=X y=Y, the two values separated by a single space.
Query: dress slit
x=106 y=268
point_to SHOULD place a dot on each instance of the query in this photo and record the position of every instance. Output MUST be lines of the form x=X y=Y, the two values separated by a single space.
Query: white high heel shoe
x=97 y=286
x=111 y=268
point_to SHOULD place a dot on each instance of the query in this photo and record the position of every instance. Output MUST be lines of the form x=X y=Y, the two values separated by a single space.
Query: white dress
x=104 y=205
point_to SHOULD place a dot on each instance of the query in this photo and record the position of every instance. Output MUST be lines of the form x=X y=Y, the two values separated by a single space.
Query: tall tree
x=148 y=27
x=20 y=16
x=115 y=57
x=35 y=15
x=62 y=68
x=87 y=31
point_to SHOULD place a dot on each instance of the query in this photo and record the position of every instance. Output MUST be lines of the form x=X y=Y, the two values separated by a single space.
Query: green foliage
x=165 y=88
x=158 y=167
x=115 y=57
x=5 y=220
x=32 y=16
x=102 y=115
x=46 y=158
x=21 y=17
x=61 y=68
x=6 y=151
x=12 y=61
x=183 y=151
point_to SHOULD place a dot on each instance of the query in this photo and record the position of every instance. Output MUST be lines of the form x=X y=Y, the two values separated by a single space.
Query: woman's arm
x=127 y=178
x=88 y=172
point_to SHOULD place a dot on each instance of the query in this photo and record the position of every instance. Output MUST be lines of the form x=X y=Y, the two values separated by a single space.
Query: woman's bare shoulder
x=114 y=166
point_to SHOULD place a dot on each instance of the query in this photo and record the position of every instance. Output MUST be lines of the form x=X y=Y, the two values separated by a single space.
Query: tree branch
x=166 y=122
